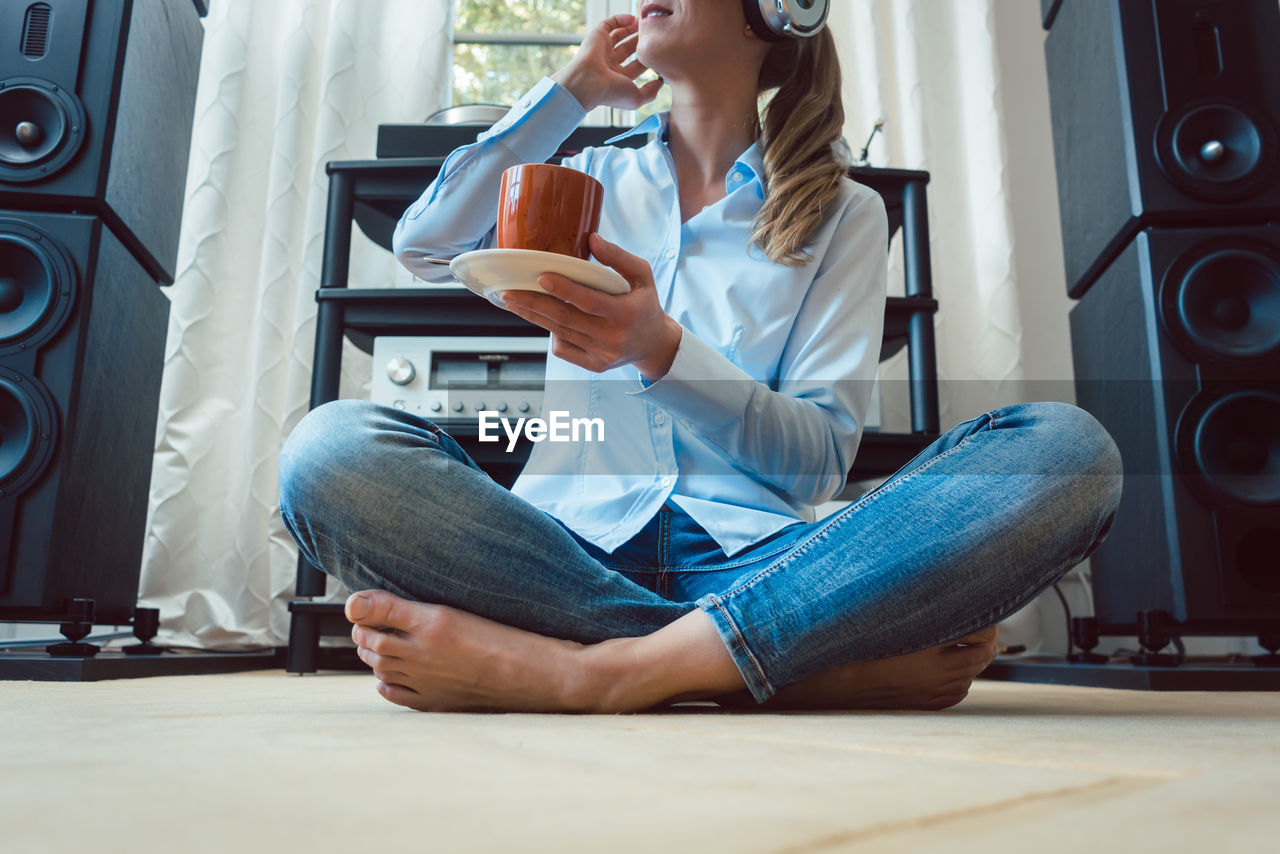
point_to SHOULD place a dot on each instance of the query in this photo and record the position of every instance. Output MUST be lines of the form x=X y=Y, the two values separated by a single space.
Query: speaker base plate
x=1194 y=674
x=114 y=664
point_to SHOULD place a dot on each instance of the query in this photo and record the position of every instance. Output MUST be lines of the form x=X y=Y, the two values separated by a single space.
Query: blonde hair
x=802 y=124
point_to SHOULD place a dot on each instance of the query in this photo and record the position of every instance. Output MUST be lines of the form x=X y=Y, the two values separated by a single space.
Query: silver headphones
x=777 y=20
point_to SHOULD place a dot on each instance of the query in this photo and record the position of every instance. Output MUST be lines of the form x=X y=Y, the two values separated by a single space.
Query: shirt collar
x=653 y=124
x=748 y=168
x=751 y=167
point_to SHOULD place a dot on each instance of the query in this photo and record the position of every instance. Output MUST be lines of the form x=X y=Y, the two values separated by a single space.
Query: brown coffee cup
x=549 y=209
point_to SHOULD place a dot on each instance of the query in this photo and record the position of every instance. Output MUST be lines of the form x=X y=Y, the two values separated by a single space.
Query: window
x=501 y=48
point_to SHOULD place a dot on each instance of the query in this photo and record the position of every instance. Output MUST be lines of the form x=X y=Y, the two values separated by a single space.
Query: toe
x=987 y=635
x=392 y=677
x=379 y=609
x=400 y=695
x=383 y=642
x=379 y=662
x=969 y=660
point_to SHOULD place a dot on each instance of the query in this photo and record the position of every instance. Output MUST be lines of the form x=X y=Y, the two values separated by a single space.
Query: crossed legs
x=444 y=626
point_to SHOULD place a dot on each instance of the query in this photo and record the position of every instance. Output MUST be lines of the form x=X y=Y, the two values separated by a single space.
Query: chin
x=653 y=57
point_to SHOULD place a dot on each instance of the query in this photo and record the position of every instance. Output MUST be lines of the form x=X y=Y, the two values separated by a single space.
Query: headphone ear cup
x=758 y=22
x=779 y=20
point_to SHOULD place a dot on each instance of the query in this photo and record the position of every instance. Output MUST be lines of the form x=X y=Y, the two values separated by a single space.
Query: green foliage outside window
x=501 y=73
x=524 y=16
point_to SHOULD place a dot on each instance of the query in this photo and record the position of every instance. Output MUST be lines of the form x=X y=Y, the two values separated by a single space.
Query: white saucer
x=491 y=271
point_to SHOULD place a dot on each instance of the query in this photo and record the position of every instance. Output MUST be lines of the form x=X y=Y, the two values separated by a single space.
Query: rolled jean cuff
x=747 y=663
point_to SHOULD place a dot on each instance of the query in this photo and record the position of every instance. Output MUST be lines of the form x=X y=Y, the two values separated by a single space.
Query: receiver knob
x=400 y=371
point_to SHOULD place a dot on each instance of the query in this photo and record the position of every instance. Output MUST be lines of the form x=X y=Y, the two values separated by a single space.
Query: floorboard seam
x=1122 y=786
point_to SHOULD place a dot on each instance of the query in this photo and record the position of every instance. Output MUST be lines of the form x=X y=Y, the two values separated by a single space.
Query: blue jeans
x=975 y=526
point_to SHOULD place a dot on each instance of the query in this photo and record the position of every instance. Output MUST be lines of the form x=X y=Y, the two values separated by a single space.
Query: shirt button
x=659 y=419
x=736 y=177
x=670 y=253
x=524 y=102
x=666 y=481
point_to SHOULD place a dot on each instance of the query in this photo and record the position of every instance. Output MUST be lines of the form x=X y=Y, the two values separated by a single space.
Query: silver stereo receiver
x=448 y=379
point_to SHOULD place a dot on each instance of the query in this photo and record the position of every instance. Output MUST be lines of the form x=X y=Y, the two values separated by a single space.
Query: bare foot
x=930 y=680
x=435 y=658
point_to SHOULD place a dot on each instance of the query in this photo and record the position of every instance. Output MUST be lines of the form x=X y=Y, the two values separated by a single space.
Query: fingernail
x=358 y=606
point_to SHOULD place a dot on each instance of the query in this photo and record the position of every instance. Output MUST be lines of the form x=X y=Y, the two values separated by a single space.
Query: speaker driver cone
x=41 y=127
x=1217 y=151
x=1230 y=442
x=27 y=421
x=37 y=286
x=28 y=286
x=1222 y=301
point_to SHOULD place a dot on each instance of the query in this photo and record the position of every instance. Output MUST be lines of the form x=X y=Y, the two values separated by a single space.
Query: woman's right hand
x=597 y=75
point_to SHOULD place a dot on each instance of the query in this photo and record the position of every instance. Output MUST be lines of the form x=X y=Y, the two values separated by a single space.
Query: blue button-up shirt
x=760 y=416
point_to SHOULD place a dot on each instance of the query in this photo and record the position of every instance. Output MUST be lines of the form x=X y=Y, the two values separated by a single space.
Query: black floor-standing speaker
x=1168 y=161
x=96 y=110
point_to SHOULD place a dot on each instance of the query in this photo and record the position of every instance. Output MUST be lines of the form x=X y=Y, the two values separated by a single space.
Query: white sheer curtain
x=963 y=89
x=285 y=87
x=934 y=70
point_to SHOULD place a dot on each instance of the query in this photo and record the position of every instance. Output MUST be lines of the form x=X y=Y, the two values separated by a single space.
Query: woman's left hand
x=600 y=331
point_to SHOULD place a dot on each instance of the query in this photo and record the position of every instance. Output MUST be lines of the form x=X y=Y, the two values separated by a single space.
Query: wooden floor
x=267 y=762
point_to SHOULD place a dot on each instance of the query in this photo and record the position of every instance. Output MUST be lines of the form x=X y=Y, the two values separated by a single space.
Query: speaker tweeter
x=40 y=128
x=1216 y=151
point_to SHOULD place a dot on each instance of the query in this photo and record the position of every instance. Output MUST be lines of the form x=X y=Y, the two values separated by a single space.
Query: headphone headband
x=778 y=20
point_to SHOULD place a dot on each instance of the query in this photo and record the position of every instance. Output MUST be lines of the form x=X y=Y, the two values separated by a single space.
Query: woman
x=681 y=558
